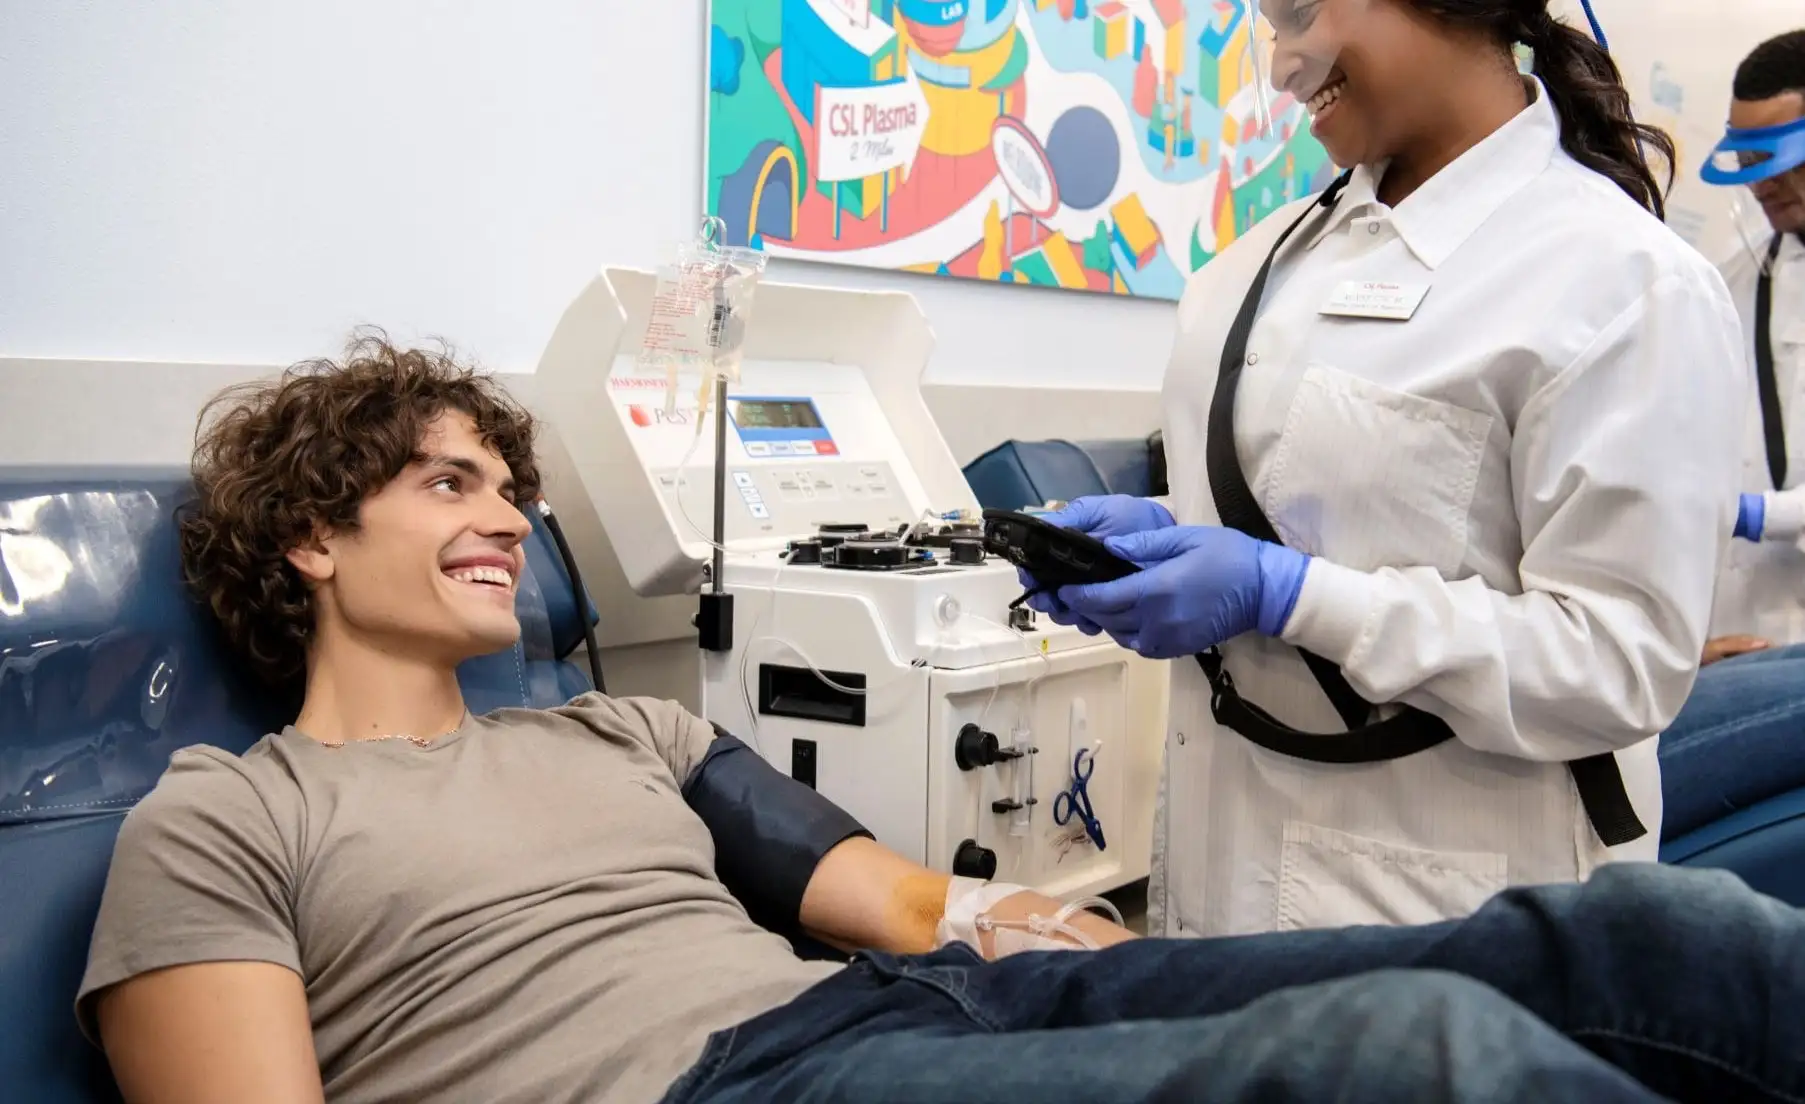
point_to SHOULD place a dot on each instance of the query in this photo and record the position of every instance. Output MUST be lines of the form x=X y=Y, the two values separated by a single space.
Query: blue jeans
x=1738 y=740
x=1646 y=983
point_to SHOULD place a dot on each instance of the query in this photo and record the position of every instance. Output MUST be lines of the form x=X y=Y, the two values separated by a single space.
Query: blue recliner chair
x=1759 y=835
x=105 y=668
x=1028 y=473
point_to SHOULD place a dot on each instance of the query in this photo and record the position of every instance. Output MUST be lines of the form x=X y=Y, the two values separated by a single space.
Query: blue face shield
x=1748 y=155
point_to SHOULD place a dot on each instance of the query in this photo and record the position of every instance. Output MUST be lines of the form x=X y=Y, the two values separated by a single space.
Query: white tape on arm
x=966 y=900
x=968 y=904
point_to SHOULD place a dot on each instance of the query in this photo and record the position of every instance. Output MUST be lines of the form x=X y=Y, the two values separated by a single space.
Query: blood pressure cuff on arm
x=770 y=831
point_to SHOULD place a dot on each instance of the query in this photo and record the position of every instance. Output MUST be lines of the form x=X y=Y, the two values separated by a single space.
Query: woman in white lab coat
x=1472 y=444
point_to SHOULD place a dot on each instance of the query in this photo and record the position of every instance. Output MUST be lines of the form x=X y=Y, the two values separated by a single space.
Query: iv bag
x=701 y=308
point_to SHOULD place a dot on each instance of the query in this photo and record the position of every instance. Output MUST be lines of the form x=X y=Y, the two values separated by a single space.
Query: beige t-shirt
x=526 y=910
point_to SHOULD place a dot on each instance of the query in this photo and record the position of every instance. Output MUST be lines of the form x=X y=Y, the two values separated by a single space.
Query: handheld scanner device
x=1054 y=555
x=1747 y=155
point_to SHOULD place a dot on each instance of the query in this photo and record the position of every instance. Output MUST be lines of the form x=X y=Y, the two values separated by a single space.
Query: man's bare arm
x=865 y=896
x=211 y=1033
x=768 y=829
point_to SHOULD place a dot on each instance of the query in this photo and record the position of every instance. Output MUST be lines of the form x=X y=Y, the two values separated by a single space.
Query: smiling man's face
x=431 y=569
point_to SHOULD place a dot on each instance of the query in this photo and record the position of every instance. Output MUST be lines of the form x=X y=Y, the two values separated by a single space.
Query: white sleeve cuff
x=1332 y=611
x=1783 y=518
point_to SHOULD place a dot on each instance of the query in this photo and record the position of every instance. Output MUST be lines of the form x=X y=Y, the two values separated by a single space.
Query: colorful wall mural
x=1110 y=147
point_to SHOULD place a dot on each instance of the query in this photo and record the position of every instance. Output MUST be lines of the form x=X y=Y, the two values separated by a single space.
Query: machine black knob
x=805 y=552
x=974 y=748
x=972 y=861
x=965 y=550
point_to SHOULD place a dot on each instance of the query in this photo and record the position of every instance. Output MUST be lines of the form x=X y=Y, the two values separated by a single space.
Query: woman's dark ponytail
x=1597 y=127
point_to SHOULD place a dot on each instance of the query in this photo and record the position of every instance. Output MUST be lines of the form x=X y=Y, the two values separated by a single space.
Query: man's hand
x=1724 y=647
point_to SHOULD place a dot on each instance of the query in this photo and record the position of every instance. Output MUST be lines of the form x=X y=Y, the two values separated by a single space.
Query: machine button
x=742 y=479
x=802 y=762
x=758 y=448
x=946 y=610
x=758 y=510
x=782 y=448
x=972 y=861
x=827 y=448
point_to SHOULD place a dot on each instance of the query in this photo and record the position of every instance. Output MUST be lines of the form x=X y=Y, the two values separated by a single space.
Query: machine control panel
x=806 y=443
x=770 y=499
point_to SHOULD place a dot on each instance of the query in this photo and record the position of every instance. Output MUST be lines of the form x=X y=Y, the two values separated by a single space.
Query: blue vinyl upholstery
x=1123 y=464
x=106 y=667
x=1030 y=473
x=1016 y=474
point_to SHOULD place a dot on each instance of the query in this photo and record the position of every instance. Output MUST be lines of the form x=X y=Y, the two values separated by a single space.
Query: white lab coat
x=1518 y=500
x=1762 y=588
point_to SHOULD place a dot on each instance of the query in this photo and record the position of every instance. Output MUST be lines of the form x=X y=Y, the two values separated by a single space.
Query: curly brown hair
x=275 y=462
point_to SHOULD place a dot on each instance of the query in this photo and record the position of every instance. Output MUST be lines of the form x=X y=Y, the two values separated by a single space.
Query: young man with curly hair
x=393 y=900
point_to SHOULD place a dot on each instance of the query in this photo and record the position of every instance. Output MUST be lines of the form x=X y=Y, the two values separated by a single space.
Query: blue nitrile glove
x=1115 y=515
x=1200 y=585
x=1100 y=516
x=1751 y=516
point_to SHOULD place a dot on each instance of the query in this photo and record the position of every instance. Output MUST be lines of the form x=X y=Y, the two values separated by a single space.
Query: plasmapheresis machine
x=869 y=650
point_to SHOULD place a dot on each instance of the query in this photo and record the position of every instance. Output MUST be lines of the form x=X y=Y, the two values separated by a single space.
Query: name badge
x=1375 y=299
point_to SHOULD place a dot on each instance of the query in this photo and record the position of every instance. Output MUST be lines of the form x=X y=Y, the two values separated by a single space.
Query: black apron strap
x=1406 y=732
x=1773 y=418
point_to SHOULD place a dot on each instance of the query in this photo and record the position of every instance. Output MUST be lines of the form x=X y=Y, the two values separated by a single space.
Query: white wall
x=186 y=180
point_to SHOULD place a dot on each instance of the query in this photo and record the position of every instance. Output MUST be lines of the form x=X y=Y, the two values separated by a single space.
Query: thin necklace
x=417 y=741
